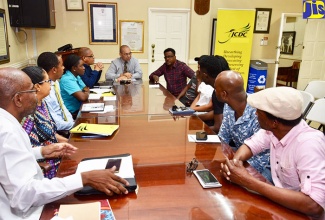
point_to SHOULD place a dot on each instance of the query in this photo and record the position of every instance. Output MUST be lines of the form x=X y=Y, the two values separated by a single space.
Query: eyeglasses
x=168 y=57
x=91 y=56
x=45 y=81
x=191 y=166
x=127 y=54
x=25 y=91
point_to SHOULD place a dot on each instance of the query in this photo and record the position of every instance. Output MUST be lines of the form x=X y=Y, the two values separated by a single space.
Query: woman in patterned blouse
x=40 y=126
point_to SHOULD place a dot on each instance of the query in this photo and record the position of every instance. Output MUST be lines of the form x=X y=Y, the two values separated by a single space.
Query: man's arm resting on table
x=235 y=172
x=105 y=181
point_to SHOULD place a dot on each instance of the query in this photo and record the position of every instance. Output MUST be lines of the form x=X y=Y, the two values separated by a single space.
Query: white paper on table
x=126 y=168
x=100 y=91
x=107 y=108
x=109 y=98
x=153 y=85
x=211 y=139
x=94 y=96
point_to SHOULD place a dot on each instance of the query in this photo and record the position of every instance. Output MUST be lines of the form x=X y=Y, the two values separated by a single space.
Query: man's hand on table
x=234 y=171
x=105 y=181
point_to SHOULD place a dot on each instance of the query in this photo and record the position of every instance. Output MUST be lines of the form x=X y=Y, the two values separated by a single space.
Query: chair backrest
x=316 y=88
x=316 y=112
x=308 y=101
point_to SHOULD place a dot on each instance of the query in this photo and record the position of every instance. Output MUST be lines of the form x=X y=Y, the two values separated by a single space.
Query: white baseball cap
x=281 y=102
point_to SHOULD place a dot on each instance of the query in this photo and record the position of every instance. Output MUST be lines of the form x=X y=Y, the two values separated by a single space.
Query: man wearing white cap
x=297 y=153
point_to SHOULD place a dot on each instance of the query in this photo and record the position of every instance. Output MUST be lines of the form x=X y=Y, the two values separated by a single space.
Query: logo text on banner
x=234 y=38
x=313 y=9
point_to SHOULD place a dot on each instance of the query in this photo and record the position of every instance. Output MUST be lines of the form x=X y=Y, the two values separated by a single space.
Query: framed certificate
x=102 y=23
x=74 y=5
x=131 y=34
x=262 y=20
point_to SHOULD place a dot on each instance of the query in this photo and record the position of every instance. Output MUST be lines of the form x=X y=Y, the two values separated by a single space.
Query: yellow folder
x=99 y=129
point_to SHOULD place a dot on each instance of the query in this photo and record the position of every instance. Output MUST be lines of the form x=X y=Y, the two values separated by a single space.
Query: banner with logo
x=234 y=37
x=313 y=9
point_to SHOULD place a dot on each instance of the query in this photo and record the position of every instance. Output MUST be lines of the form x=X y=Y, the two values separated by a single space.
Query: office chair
x=308 y=101
x=316 y=113
x=316 y=88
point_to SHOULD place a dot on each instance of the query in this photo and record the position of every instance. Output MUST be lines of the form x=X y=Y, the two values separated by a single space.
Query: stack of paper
x=98 y=129
x=93 y=107
x=100 y=210
x=84 y=211
x=97 y=93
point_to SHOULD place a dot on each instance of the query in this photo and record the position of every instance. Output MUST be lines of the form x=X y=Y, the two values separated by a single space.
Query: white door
x=167 y=28
x=313 y=57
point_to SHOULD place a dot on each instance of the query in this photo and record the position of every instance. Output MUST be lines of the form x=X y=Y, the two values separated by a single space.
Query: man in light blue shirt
x=125 y=67
x=53 y=65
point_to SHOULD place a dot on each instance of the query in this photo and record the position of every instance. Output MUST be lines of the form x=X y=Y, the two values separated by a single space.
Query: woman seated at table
x=73 y=89
x=40 y=126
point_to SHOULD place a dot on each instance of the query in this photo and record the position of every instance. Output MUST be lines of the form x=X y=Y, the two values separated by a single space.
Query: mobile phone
x=206 y=178
x=114 y=162
x=201 y=136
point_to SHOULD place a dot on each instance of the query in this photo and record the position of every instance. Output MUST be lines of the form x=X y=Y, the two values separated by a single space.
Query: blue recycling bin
x=257 y=75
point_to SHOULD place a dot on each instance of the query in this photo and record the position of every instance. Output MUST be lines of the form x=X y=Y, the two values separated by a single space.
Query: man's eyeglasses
x=45 y=81
x=91 y=56
x=25 y=91
x=191 y=166
x=127 y=54
x=168 y=57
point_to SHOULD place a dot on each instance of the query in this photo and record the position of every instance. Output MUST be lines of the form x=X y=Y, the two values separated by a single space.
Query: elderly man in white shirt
x=23 y=189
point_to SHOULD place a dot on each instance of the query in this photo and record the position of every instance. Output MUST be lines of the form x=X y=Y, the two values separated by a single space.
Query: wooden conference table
x=160 y=150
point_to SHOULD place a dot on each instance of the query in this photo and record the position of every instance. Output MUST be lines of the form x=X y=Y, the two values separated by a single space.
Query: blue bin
x=257 y=75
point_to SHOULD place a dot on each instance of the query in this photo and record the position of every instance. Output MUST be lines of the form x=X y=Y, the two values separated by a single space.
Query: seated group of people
x=265 y=129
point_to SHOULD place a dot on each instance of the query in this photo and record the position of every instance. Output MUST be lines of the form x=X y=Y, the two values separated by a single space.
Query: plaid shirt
x=175 y=76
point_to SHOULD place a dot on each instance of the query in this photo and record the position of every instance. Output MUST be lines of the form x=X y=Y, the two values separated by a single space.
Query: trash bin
x=257 y=75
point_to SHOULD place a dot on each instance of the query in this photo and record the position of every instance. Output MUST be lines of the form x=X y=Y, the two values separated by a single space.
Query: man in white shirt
x=24 y=190
x=53 y=65
x=125 y=67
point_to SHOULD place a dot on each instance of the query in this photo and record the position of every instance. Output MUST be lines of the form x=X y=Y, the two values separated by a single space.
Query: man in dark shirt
x=175 y=72
x=91 y=77
x=210 y=67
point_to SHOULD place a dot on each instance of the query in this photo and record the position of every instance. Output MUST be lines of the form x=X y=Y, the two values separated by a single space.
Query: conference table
x=161 y=150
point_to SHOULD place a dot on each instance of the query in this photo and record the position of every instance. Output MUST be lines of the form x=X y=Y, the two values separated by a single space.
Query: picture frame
x=4 y=44
x=213 y=36
x=287 y=42
x=102 y=23
x=132 y=34
x=262 y=20
x=74 y=5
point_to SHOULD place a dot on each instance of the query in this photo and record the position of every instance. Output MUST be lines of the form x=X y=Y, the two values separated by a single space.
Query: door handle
x=153 y=52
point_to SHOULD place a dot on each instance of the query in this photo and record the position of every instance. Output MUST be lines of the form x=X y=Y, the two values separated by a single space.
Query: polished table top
x=160 y=150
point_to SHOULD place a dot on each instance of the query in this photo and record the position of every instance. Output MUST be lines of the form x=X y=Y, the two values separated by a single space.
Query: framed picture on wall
x=213 y=36
x=74 y=5
x=102 y=23
x=288 y=42
x=4 y=45
x=262 y=20
x=131 y=34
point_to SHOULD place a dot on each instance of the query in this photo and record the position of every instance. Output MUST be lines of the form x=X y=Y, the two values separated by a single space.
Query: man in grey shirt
x=125 y=67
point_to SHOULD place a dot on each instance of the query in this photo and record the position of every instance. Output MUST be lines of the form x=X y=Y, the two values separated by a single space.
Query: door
x=313 y=57
x=168 y=28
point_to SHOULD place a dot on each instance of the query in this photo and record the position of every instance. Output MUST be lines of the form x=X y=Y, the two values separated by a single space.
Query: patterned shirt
x=297 y=160
x=41 y=130
x=240 y=130
x=175 y=76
